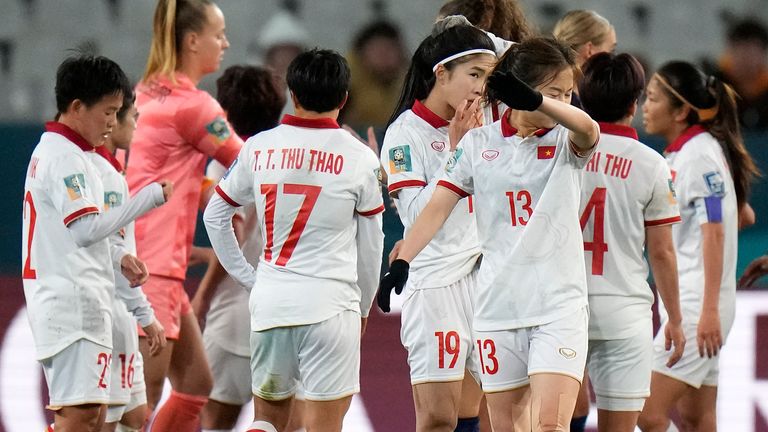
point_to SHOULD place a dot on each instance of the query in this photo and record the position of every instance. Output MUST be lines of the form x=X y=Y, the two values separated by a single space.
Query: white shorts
x=620 y=371
x=78 y=375
x=231 y=375
x=324 y=357
x=508 y=357
x=436 y=331
x=691 y=369
x=125 y=349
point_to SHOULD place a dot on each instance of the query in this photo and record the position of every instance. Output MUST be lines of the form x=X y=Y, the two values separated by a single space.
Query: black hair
x=251 y=98
x=319 y=79
x=703 y=92
x=536 y=61
x=441 y=44
x=610 y=86
x=88 y=78
x=129 y=97
x=748 y=30
x=375 y=29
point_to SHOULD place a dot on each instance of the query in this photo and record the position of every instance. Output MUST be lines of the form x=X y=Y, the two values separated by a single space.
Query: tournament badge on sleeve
x=454 y=159
x=219 y=129
x=400 y=159
x=112 y=199
x=715 y=183
x=75 y=184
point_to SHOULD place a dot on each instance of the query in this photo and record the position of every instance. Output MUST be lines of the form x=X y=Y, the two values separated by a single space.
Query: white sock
x=261 y=426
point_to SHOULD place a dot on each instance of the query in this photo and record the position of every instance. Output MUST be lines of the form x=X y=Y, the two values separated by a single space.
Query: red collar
x=617 y=129
x=507 y=130
x=106 y=154
x=319 y=123
x=684 y=137
x=428 y=116
x=70 y=134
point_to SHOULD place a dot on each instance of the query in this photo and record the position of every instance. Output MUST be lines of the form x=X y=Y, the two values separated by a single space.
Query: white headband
x=462 y=54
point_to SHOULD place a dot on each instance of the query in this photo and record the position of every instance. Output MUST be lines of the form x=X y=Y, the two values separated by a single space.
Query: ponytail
x=712 y=104
x=450 y=36
x=725 y=128
x=173 y=20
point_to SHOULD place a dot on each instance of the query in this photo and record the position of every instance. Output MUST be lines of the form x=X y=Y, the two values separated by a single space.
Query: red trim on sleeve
x=226 y=197
x=396 y=186
x=80 y=213
x=373 y=212
x=666 y=221
x=453 y=188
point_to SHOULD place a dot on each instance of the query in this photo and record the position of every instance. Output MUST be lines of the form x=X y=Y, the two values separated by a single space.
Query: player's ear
x=441 y=74
x=344 y=102
x=191 y=41
x=632 y=110
x=75 y=106
x=681 y=114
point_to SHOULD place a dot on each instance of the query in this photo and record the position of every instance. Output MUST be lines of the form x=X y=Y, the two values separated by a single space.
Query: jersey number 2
x=311 y=193
x=597 y=246
x=29 y=272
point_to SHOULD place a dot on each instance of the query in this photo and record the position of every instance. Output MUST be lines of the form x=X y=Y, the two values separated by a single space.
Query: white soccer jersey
x=228 y=318
x=68 y=289
x=626 y=187
x=415 y=151
x=702 y=178
x=527 y=192
x=115 y=195
x=309 y=181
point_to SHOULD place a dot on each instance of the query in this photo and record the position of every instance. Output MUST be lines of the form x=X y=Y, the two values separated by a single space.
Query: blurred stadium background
x=36 y=34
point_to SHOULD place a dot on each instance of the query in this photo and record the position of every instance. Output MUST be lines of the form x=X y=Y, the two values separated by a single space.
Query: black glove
x=394 y=279
x=508 y=88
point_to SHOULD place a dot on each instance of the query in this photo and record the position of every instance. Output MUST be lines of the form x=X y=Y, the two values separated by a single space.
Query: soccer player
x=127 y=399
x=179 y=128
x=530 y=323
x=67 y=258
x=253 y=104
x=627 y=201
x=445 y=81
x=319 y=207
x=712 y=172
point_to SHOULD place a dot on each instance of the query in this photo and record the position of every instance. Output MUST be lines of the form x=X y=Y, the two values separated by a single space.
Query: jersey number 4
x=29 y=272
x=311 y=193
x=598 y=247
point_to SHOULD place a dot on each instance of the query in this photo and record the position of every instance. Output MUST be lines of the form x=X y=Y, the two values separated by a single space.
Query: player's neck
x=439 y=107
x=626 y=121
x=674 y=131
x=110 y=146
x=72 y=123
x=303 y=113
x=194 y=73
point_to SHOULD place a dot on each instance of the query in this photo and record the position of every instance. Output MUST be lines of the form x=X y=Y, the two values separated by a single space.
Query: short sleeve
x=458 y=171
x=662 y=208
x=201 y=122
x=236 y=186
x=700 y=177
x=71 y=188
x=401 y=159
x=369 y=201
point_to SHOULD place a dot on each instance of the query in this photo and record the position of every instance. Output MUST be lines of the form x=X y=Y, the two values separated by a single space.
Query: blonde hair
x=173 y=19
x=578 y=27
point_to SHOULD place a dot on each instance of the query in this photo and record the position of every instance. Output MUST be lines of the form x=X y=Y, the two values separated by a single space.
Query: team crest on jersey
x=112 y=199
x=231 y=167
x=75 y=184
x=438 y=146
x=490 y=155
x=400 y=159
x=454 y=159
x=715 y=183
x=219 y=129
